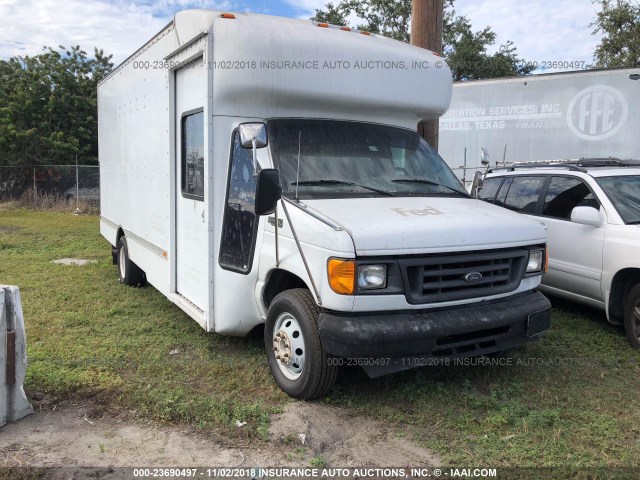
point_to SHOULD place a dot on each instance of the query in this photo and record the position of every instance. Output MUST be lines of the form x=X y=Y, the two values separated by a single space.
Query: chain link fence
x=59 y=187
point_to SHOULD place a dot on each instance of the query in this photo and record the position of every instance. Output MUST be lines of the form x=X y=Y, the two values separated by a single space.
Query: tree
x=619 y=24
x=384 y=17
x=333 y=15
x=48 y=106
x=465 y=50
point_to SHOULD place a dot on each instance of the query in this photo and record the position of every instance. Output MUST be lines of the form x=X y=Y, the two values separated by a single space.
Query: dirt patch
x=345 y=440
x=5 y=229
x=79 y=262
x=71 y=437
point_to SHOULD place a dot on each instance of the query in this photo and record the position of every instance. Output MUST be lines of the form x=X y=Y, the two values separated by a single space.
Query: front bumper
x=468 y=330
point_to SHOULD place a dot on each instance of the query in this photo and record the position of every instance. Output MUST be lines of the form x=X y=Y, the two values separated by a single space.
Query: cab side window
x=524 y=193
x=564 y=194
x=489 y=189
x=240 y=222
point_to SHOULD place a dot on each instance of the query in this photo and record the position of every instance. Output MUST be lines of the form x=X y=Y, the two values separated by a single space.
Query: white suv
x=591 y=209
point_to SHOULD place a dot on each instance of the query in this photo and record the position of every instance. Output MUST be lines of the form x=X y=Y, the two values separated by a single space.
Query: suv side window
x=489 y=189
x=504 y=189
x=565 y=193
x=523 y=194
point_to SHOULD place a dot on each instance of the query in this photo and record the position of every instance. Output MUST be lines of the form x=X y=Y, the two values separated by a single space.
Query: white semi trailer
x=569 y=115
x=257 y=169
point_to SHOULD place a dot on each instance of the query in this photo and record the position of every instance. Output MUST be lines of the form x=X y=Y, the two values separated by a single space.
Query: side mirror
x=250 y=132
x=253 y=135
x=484 y=156
x=478 y=181
x=586 y=216
x=268 y=191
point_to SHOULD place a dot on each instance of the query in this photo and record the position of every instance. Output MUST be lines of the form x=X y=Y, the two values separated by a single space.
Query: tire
x=129 y=273
x=293 y=316
x=632 y=317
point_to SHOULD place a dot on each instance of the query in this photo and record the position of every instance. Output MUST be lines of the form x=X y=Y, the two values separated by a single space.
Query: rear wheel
x=298 y=362
x=129 y=273
x=632 y=317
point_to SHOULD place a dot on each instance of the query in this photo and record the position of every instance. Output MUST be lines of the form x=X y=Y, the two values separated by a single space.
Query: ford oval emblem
x=473 y=276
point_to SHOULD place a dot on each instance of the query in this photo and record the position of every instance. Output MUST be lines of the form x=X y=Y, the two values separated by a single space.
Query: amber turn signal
x=546 y=259
x=342 y=276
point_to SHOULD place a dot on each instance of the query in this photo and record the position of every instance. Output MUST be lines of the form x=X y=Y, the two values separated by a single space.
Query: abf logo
x=597 y=112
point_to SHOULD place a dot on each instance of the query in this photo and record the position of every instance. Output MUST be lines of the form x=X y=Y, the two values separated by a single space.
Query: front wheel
x=298 y=362
x=632 y=317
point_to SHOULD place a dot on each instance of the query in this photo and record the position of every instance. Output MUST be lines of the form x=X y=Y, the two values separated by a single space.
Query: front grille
x=445 y=277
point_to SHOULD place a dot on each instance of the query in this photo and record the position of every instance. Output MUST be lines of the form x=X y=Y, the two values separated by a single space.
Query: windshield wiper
x=341 y=182
x=426 y=181
x=634 y=222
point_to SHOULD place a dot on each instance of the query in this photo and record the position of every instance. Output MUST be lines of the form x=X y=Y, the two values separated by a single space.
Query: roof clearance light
x=228 y=15
x=346 y=29
x=365 y=33
x=322 y=25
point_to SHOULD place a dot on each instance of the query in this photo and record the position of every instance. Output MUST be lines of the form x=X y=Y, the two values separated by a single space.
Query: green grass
x=318 y=461
x=90 y=337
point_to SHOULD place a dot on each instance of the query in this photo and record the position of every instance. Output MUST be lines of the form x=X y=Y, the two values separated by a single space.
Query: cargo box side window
x=524 y=194
x=240 y=222
x=193 y=156
x=564 y=194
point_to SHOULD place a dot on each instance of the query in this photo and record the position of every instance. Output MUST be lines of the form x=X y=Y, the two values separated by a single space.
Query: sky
x=543 y=31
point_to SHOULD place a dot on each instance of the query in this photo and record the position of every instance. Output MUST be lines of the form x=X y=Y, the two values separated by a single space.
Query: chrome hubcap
x=288 y=346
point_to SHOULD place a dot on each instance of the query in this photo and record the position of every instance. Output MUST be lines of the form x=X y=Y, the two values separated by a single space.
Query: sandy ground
x=70 y=437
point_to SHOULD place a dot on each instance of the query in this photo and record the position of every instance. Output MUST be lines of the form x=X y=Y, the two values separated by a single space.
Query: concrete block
x=13 y=357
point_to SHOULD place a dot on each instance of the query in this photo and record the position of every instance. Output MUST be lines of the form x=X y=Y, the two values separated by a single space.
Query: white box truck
x=257 y=169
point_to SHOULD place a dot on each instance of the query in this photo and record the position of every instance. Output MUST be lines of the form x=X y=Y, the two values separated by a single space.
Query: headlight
x=536 y=261
x=372 y=276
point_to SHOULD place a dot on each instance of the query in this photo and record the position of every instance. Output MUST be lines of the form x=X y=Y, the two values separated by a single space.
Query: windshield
x=624 y=193
x=349 y=159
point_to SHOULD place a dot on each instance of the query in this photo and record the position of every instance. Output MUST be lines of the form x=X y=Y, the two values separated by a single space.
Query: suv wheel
x=632 y=317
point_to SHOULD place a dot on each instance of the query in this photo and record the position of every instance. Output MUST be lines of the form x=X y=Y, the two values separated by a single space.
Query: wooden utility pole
x=426 y=32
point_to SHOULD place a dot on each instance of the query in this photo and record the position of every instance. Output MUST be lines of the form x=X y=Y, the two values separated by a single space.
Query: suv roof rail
x=542 y=164
x=579 y=165
x=608 y=162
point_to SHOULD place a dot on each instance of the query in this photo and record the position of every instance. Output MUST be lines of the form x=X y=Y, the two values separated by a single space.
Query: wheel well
x=119 y=235
x=622 y=282
x=279 y=281
x=114 y=250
